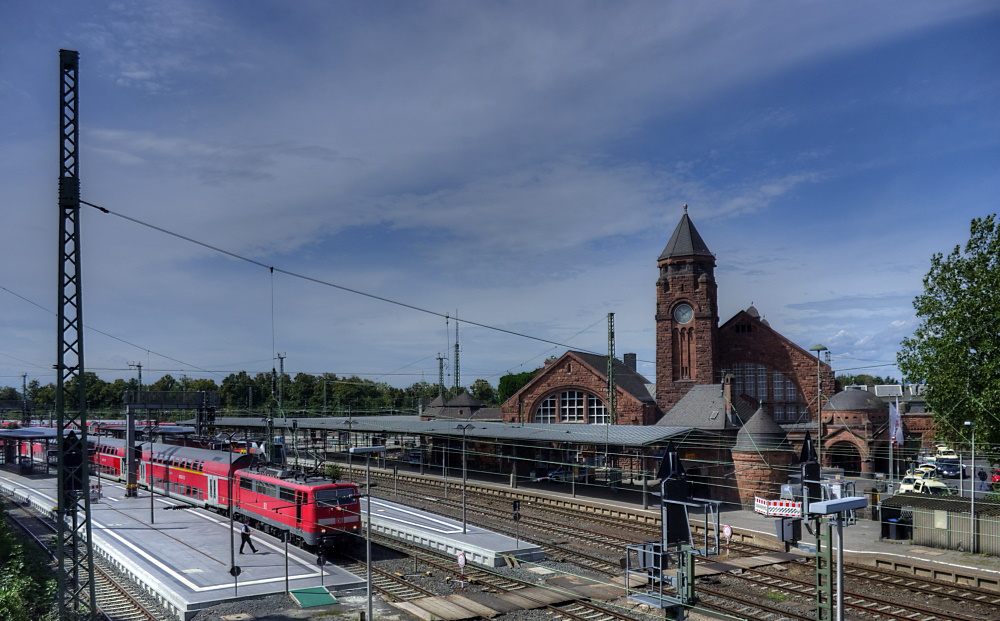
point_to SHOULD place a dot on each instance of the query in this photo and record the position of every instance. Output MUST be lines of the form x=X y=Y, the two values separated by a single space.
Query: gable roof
x=685 y=242
x=756 y=319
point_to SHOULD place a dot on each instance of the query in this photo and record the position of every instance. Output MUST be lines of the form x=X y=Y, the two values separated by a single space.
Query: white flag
x=895 y=424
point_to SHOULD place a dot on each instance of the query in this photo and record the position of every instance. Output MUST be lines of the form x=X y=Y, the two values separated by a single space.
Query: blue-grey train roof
x=41 y=433
x=173 y=450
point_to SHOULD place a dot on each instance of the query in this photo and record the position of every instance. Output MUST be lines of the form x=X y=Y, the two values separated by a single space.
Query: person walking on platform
x=245 y=539
x=982 y=480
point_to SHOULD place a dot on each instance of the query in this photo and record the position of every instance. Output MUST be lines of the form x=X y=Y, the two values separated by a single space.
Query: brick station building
x=743 y=360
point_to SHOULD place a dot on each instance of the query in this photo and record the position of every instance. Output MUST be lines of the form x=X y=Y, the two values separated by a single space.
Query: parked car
x=924 y=470
x=949 y=467
x=906 y=485
x=559 y=475
x=931 y=486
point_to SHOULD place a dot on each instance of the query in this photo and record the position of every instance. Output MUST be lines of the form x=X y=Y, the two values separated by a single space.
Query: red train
x=314 y=511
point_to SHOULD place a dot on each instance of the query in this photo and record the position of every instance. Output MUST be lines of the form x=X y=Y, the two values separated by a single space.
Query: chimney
x=629 y=360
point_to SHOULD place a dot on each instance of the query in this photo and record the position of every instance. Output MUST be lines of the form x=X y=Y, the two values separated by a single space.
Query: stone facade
x=761 y=473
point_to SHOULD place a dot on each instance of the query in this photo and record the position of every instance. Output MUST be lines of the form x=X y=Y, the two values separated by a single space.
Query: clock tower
x=687 y=316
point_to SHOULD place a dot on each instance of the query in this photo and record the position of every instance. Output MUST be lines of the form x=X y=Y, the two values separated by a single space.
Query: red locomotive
x=314 y=511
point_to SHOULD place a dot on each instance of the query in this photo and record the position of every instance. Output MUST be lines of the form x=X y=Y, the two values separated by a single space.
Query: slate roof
x=685 y=241
x=465 y=400
x=854 y=399
x=626 y=378
x=761 y=433
x=704 y=407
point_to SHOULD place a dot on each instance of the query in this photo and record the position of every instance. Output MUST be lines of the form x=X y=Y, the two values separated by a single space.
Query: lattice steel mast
x=77 y=596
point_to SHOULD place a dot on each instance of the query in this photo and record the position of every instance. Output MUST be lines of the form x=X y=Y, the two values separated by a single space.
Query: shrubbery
x=27 y=585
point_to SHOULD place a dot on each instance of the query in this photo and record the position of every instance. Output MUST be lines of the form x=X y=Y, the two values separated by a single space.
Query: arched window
x=572 y=406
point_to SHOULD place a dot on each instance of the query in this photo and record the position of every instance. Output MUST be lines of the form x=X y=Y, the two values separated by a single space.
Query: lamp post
x=149 y=468
x=368 y=450
x=465 y=428
x=232 y=507
x=819 y=408
x=972 y=485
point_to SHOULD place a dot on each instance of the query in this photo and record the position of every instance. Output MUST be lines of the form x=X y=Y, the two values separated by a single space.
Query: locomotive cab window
x=286 y=493
x=334 y=497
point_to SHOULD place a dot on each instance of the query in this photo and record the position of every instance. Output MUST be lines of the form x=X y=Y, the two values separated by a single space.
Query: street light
x=367 y=451
x=972 y=486
x=149 y=468
x=464 y=429
x=819 y=408
x=232 y=509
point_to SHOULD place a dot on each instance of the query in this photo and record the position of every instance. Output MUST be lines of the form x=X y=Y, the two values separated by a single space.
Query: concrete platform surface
x=184 y=555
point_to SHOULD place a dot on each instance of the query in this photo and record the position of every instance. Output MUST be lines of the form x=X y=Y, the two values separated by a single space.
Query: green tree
x=482 y=389
x=864 y=380
x=510 y=384
x=166 y=383
x=955 y=349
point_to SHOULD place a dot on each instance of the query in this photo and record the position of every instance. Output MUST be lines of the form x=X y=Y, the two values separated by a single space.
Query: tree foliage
x=510 y=384
x=955 y=349
x=864 y=379
x=27 y=588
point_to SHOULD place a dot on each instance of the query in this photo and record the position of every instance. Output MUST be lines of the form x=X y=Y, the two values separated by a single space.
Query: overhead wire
x=316 y=280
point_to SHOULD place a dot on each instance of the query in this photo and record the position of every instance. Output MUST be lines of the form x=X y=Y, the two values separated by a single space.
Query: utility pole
x=457 y=383
x=441 y=376
x=74 y=549
x=132 y=454
x=25 y=413
x=281 y=381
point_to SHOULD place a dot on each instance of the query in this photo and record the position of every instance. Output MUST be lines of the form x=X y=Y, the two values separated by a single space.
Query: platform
x=183 y=559
x=443 y=534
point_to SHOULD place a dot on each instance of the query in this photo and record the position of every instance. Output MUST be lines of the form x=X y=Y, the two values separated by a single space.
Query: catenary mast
x=77 y=598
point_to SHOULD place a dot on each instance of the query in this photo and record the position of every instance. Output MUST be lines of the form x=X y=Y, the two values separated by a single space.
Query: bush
x=27 y=586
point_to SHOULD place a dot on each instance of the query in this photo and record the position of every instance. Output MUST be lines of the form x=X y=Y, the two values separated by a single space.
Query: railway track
x=117 y=600
x=868 y=606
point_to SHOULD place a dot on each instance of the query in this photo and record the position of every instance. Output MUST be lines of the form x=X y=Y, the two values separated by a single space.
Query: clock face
x=683 y=313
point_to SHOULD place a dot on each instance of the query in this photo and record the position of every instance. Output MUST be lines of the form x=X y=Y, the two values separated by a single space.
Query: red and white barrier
x=783 y=508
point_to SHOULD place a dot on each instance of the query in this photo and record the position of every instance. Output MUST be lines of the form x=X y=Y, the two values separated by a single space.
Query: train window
x=334 y=497
x=246 y=483
x=285 y=493
x=267 y=489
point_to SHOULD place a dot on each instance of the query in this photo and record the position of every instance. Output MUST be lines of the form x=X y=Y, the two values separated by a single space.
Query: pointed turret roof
x=685 y=241
x=761 y=433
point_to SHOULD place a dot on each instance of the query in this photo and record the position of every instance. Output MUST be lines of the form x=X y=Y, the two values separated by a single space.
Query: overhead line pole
x=76 y=591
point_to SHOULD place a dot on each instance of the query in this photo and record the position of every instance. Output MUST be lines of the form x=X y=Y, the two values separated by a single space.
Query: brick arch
x=836 y=455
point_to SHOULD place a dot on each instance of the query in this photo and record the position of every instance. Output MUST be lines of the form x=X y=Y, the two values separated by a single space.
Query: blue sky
x=521 y=164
